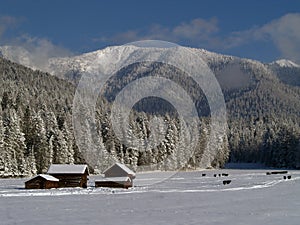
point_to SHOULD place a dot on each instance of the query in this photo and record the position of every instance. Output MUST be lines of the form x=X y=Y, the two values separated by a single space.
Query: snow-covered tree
x=14 y=145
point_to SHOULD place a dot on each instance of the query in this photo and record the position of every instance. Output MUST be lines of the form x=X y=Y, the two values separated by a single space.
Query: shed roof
x=114 y=179
x=122 y=166
x=67 y=169
x=46 y=177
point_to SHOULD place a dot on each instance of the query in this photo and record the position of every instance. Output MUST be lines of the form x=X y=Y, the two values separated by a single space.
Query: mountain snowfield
x=284 y=63
x=89 y=62
x=72 y=67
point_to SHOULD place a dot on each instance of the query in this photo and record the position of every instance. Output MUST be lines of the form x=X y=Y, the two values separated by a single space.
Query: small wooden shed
x=114 y=182
x=119 y=170
x=42 y=181
x=70 y=175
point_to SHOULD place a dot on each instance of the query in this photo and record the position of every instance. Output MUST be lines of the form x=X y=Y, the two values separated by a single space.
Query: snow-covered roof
x=114 y=179
x=122 y=166
x=46 y=177
x=67 y=169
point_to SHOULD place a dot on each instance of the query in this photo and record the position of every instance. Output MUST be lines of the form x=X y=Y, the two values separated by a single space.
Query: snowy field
x=185 y=198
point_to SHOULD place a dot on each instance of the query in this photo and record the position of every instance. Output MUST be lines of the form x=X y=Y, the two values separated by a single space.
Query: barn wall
x=52 y=184
x=40 y=183
x=72 y=180
x=113 y=184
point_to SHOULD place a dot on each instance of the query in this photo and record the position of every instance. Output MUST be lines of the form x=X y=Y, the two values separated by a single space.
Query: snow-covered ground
x=184 y=198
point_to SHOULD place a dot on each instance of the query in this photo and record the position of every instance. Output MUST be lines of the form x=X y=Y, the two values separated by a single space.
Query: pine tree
x=40 y=146
x=2 y=151
x=60 y=149
x=14 y=145
x=69 y=143
x=30 y=164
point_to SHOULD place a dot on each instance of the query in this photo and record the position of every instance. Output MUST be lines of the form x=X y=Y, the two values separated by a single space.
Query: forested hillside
x=263 y=110
x=263 y=119
x=262 y=100
x=36 y=128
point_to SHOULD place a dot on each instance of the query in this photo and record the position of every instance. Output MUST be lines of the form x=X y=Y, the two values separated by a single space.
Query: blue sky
x=257 y=29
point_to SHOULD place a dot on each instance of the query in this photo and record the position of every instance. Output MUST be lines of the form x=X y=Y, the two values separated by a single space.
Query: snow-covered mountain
x=230 y=70
x=287 y=71
x=89 y=62
x=284 y=63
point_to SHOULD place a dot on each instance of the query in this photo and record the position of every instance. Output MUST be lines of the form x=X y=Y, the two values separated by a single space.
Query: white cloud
x=39 y=50
x=198 y=31
x=284 y=33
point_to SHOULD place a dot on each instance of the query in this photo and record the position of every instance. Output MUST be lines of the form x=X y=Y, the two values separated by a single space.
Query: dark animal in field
x=225 y=182
x=277 y=172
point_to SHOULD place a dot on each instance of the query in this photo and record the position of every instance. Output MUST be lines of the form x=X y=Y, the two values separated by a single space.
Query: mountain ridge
x=284 y=63
x=78 y=62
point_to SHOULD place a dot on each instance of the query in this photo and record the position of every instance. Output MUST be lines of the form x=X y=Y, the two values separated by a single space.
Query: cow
x=225 y=182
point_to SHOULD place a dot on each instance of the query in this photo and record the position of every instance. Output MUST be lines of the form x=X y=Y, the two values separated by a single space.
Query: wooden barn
x=114 y=182
x=70 y=175
x=42 y=181
x=119 y=170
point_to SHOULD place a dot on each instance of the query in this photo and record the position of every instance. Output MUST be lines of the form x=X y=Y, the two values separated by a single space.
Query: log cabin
x=119 y=170
x=114 y=182
x=42 y=181
x=70 y=175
